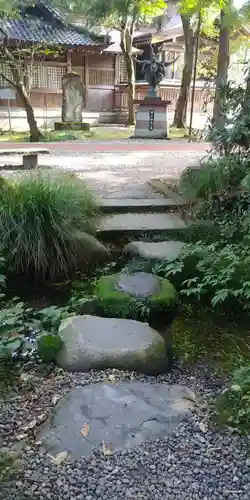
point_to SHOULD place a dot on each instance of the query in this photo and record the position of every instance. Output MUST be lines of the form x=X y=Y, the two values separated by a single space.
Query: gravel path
x=196 y=462
x=118 y=174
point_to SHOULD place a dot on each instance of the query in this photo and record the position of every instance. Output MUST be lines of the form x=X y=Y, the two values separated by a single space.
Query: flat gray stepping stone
x=114 y=416
x=137 y=205
x=162 y=250
x=140 y=222
x=96 y=343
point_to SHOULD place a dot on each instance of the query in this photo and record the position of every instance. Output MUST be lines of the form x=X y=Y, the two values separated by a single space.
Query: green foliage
x=51 y=317
x=116 y=11
x=21 y=329
x=41 y=217
x=215 y=177
x=48 y=346
x=220 y=190
x=234 y=137
x=233 y=405
x=14 y=320
x=221 y=274
x=215 y=339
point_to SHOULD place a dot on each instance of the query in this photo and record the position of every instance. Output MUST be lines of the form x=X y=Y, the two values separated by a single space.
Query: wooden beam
x=86 y=76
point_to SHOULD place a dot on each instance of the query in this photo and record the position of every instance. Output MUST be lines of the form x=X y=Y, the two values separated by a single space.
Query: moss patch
x=200 y=335
x=118 y=304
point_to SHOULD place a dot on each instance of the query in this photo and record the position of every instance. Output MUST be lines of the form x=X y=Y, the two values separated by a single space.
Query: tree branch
x=7 y=79
x=132 y=25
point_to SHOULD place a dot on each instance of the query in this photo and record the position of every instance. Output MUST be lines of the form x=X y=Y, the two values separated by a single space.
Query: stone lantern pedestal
x=151 y=118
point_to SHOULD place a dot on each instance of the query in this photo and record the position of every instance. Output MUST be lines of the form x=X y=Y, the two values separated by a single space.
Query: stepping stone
x=96 y=343
x=125 y=223
x=162 y=250
x=137 y=205
x=112 y=417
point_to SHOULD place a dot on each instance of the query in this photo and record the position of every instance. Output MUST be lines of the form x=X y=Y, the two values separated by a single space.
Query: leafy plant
x=215 y=177
x=21 y=331
x=41 y=220
x=13 y=324
x=48 y=346
x=233 y=405
x=220 y=273
x=234 y=137
x=51 y=317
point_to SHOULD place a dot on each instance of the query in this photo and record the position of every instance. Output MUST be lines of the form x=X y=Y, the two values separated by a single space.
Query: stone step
x=162 y=250
x=165 y=186
x=118 y=205
x=131 y=223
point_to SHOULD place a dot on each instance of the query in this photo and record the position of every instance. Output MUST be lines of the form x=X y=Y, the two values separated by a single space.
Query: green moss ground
x=200 y=335
x=95 y=133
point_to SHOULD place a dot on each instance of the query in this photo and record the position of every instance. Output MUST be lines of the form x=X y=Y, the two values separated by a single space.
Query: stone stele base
x=72 y=126
x=151 y=118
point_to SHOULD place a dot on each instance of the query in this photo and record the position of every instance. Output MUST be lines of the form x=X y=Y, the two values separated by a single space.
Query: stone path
x=138 y=223
x=119 y=169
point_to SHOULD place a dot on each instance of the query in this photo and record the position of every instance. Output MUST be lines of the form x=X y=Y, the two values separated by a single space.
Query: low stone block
x=95 y=343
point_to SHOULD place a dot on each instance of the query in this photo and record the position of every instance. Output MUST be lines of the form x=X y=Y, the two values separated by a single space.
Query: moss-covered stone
x=156 y=309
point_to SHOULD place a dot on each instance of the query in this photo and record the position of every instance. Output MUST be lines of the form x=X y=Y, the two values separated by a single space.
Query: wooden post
x=117 y=69
x=86 y=77
x=69 y=61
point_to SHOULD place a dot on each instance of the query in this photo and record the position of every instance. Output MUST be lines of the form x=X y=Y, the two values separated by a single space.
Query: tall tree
x=222 y=70
x=182 y=101
x=121 y=15
x=17 y=77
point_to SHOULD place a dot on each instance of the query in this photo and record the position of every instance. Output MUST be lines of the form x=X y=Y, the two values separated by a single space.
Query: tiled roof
x=34 y=30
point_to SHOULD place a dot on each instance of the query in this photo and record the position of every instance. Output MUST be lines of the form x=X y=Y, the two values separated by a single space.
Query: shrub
x=233 y=405
x=221 y=274
x=48 y=346
x=215 y=177
x=41 y=216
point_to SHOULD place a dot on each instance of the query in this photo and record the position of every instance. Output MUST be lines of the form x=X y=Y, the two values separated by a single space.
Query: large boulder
x=91 y=342
x=94 y=251
x=111 y=417
x=140 y=296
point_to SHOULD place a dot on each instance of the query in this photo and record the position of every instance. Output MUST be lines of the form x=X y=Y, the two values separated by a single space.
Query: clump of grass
x=41 y=218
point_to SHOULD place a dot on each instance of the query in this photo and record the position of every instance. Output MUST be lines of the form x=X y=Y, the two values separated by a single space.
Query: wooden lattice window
x=43 y=76
x=122 y=70
x=5 y=69
x=54 y=77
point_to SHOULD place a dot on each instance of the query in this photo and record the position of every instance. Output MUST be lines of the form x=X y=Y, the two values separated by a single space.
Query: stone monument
x=73 y=103
x=151 y=116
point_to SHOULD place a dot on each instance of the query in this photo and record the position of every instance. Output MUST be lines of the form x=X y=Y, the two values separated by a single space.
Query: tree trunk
x=35 y=134
x=126 y=46
x=182 y=101
x=222 y=71
x=246 y=104
x=131 y=88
